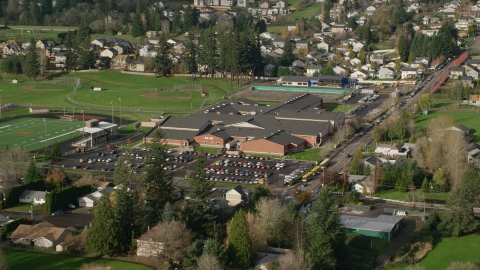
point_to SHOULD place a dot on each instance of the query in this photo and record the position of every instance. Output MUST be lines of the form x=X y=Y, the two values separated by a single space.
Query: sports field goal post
x=68 y=118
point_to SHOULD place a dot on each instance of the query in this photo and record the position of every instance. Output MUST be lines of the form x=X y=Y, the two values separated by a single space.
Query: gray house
x=279 y=42
x=386 y=73
x=473 y=73
x=467 y=81
x=377 y=58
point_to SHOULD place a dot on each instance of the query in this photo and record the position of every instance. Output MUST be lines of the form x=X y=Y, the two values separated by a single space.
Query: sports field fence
x=188 y=87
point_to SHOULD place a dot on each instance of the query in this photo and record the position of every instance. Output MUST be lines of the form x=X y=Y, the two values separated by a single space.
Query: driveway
x=75 y=220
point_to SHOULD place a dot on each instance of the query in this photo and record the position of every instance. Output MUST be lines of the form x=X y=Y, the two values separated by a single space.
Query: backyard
x=311 y=154
x=20 y=260
x=25 y=207
x=394 y=194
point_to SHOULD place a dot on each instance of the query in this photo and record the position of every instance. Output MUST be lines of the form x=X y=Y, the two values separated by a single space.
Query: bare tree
x=260 y=243
x=76 y=243
x=456 y=163
x=13 y=164
x=95 y=266
x=371 y=184
x=174 y=239
x=208 y=262
x=293 y=260
x=87 y=179
x=272 y=214
x=462 y=266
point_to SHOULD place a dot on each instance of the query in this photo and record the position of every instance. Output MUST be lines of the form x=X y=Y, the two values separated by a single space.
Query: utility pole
x=46 y=139
x=1 y=107
x=112 y=112
x=120 y=99
x=83 y=132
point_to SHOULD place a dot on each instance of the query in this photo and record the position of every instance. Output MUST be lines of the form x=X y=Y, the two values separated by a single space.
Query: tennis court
x=30 y=132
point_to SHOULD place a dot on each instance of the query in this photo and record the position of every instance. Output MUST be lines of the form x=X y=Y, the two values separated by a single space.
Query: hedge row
x=13 y=194
x=59 y=198
x=12 y=226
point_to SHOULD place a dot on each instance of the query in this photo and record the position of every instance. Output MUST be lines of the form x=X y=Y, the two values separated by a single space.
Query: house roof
x=352 y=178
x=466 y=78
x=44 y=229
x=4 y=219
x=409 y=69
x=372 y=160
x=383 y=223
x=458 y=69
x=173 y=122
x=282 y=138
x=33 y=194
x=462 y=128
x=315 y=67
x=391 y=146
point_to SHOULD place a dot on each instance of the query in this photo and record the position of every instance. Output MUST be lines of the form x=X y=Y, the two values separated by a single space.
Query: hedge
x=13 y=194
x=12 y=226
x=59 y=198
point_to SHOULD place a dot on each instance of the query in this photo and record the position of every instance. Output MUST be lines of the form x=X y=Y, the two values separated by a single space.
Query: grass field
x=30 y=132
x=468 y=119
x=401 y=196
x=313 y=154
x=135 y=91
x=18 y=260
x=25 y=207
x=448 y=250
x=306 y=13
x=335 y=107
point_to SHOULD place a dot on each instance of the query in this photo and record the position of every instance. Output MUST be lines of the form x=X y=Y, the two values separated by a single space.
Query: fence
x=407 y=212
x=188 y=87
x=63 y=80
x=416 y=204
x=356 y=207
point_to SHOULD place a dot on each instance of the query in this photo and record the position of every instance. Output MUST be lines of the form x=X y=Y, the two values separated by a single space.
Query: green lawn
x=212 y=150
x=468 y=119
x=18 y=260
x=275 y=28
x=24 y=207
x=379 y=245
x=135 y=91
x=30 y=132
x=27 y=33
x=448 y=250
x=335 y=107
x=401 y=196
x=306 y=13
x=312 y=154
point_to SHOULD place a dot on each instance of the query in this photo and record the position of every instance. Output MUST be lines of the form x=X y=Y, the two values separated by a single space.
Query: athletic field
x=30 y=132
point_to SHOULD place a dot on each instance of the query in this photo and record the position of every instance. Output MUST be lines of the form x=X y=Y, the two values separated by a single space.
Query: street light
x=120 y=99
x=83 y=132
x=45 y=122
x=112 y=111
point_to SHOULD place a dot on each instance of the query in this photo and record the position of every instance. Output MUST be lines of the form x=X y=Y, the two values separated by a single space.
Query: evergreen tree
x=411 y=57
x=190 y=55
x=83 y=33
x=216 y=248
x=209 y=55
x=157 y=188
x=102 y=237
x=162 y=63
x=177 y=21
x=126 y=17
x=258 y=193
x=87 y=59
x=33 y=173
x=56 y=152
x=31 y=66
x=356 y=167
x=287 y=57
x=137 y=29
x=403 y=50
x=351 y=54
x=361 y=56
x=239 y=243
x=425 y=185
x=325 y=232
x=190 y=18
x=124 y=206
x=194 y=252
x=358 y=154
x=398 y=65
x=198 y=213
x=72 y=62
x=168 y=214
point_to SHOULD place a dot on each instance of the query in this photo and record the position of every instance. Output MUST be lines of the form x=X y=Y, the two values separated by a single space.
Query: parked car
x=71 y=206
x=58 y=213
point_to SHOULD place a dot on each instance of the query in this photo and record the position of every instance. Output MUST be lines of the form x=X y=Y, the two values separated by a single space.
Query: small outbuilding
x=32 y=196
x=36 y=110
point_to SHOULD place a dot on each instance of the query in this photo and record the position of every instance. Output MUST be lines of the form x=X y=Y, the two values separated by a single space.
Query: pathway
x=385 y=257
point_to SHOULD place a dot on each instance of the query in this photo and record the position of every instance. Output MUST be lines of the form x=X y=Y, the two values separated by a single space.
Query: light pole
x=83 y=132
x=120 y=99
x=112 y=111
x=45 y=122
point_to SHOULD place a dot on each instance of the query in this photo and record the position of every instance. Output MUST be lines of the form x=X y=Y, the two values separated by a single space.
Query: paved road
x=75 y=220
x=385 y=257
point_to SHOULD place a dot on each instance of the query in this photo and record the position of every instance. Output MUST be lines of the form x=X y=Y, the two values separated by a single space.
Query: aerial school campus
x=240 y=138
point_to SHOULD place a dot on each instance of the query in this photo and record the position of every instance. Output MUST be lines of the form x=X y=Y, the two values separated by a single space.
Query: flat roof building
x=382 y=227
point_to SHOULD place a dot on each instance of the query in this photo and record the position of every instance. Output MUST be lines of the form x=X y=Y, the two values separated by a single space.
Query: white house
x=357 y=46
x=29 y=196
x=237 y=195
x=323 y=46
x=409 y=73
x=110 y=53
x=91 y=199
x=360 y=74
x=390 y=150
x=312 y=69
x=460 y=128
x=358 y=183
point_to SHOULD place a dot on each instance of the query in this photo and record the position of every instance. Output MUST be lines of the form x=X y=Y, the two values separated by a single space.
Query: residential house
x=473 y=73
x=91 y=199
x=415 y=7
x=467 y=81
x=312 y=69
x=302 y=44
x=462 y=25
x=151 y=34
x=456 y=72
x=474 y=63
x=360 y=74
x=372 y=162
x=473 y=155
x=341 y=71
x=99 y=42
x=355 y=61
x=370 y=10
x=237 y=195
x=386 y=73
x=179 y=47
x=377 y=58
x=429 y=33
x=32 y=196
x=44 y=44
x=460 y=128
x=110 y=53
x=43 y=235
x=155 y=41
x=264 y=5
x=474 y=100
x=357 y=46
x=323 y=46
x=137 y=65
x=338 y=30
x=291 y=27
x=449 y=14
x=268 y=70
x=390 y=150
x=424 y=60
x=358 y=183
x=279 y=42
x=266 y=35
x=242 y=3
x=121 y=49
x=121 y=61
x=409 y=73
x=60 y=59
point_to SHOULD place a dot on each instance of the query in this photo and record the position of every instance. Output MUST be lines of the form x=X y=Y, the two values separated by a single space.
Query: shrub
x=12 y=226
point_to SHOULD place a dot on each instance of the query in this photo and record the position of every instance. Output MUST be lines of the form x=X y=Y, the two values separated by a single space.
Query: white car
x=72 y=206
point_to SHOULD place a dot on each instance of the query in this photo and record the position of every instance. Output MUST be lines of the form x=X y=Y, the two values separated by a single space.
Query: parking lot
x=362 y=109
x=242 y=169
